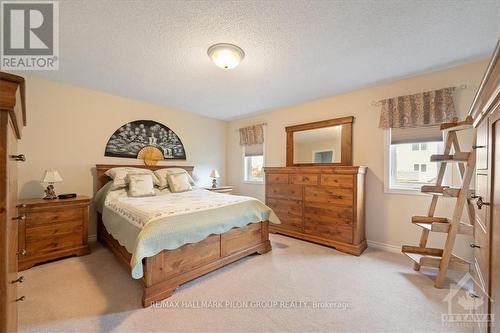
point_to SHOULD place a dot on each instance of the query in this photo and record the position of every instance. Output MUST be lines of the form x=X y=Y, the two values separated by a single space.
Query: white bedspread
x=141 y=211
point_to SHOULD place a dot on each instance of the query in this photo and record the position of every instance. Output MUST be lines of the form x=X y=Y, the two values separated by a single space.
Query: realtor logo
x=30 y=35
x=467 y=309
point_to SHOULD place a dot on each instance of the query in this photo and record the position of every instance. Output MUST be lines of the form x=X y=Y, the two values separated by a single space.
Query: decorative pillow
x=161 y=175
x=119 y=175
x=179 y=182
x=140 y=185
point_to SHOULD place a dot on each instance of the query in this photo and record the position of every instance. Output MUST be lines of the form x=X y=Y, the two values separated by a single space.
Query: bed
x=162 y=271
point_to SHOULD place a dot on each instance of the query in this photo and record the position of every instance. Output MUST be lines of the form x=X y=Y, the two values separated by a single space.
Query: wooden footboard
x=164 y=272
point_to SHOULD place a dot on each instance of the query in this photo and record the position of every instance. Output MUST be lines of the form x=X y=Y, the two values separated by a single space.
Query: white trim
x=384 y=247
x=92 y=238
x=255 y=182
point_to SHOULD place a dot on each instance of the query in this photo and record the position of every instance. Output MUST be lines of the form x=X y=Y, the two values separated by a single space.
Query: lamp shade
x=214 y=173
x=51 y=176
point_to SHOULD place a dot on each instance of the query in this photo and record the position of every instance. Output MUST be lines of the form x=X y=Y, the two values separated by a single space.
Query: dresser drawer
x=42 y=217
x=52 y=244
x=305 y=179
x=329 y=231
x=340 y=181
x=285 y=191
x=277 y=178
x=59 y=229
x=328 y=195
x=481 y=253
x=288 y=211
x=327 y=214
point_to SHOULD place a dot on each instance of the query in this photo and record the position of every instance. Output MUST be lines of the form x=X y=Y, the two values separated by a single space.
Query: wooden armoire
x=486 y=245
x=12 y=121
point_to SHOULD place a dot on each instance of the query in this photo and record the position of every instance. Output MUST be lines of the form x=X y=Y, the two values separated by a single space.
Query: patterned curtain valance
x=251 y=135
x=423 y=109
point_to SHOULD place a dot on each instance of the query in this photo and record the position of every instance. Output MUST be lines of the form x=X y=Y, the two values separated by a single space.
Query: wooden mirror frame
x=346 y=140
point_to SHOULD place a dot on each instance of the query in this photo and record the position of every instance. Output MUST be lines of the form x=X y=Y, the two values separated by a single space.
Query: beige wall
x=69 y=126
x=387 y=215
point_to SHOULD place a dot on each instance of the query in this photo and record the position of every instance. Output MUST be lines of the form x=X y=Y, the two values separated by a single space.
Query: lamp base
x=50 y=194
x=214 y=183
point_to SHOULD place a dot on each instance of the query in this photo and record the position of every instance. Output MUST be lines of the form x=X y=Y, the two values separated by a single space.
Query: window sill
x=253 y=182
x=404 y=191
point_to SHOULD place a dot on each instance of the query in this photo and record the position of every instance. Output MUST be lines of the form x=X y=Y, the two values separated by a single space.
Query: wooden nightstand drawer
x=52 y=229
x=50 y=244
x=58 y=229
x=39 y=218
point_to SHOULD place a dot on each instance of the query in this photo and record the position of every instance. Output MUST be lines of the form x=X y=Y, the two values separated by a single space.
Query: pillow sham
x=179 y=182
x=119 y=175
x=140 y=185
x=161 y=175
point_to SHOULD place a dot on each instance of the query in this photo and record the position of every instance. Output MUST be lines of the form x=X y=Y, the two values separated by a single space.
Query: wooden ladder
x=444 y=259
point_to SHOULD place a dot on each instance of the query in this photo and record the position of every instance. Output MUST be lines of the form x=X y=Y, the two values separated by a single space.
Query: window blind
x=254 y=150
x=416 y=134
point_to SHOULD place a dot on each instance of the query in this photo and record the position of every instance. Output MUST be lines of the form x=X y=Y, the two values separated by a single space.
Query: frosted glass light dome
x=226 y=56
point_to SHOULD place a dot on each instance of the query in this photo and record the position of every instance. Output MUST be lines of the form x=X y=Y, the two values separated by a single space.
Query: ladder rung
x=429 y=260
x=422 y=250
x=429 y=219
x=457 y=157
x=463 y=228
x=458 y=125
x=441 y=190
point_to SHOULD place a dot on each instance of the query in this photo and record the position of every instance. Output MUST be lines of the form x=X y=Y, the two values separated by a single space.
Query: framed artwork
x=137 y=137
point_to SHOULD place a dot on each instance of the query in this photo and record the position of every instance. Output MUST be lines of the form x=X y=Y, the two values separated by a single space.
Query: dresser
x=52 y=229
x=12 y=121
x=486 y=198
x=321 y=204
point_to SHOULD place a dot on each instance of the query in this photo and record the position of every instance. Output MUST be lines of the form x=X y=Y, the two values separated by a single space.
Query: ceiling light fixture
x=226 y=56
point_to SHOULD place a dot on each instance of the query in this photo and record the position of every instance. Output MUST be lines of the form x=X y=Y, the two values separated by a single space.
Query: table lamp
x=50 y=177
x=214 y=174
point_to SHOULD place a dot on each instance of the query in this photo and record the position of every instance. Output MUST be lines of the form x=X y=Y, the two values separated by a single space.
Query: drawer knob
x=19 y=280
x=20 y=217
x=21 y=206
x=472 y=295
x=474 y=246
x=477 y=147
x=21 y=253
x=20 y=299
x=20 y=157
x=479 y=203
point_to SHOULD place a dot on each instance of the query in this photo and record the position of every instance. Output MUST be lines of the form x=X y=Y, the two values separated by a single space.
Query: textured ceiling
x=295 y=50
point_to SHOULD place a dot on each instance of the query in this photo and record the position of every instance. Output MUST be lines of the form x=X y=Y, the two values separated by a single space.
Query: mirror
x=320 y=145
x=325 y=142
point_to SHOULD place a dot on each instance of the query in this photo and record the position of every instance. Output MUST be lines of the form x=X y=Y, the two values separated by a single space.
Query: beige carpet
x=379 y=291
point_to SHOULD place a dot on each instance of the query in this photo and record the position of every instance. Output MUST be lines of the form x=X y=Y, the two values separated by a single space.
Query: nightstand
x=52 y=229
x=221 y=189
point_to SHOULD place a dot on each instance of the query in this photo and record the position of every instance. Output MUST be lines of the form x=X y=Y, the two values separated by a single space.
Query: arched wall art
x=145 y=136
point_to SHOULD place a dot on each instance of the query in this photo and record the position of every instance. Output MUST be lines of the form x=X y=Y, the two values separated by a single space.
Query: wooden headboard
x=102 y=179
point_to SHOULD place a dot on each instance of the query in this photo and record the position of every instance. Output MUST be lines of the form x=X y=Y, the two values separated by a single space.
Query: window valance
x=252 y=135
x=423 y=109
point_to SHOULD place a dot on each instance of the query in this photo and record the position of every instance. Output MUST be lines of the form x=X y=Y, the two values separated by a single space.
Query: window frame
x=387 y=171
x=243 y=160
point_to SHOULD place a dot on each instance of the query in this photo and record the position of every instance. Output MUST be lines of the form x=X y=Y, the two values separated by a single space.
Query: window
x=408 y=153
x=253 y=163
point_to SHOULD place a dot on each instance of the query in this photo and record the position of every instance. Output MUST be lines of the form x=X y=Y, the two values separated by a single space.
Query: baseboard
x=384 y=247
x=92 y=238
